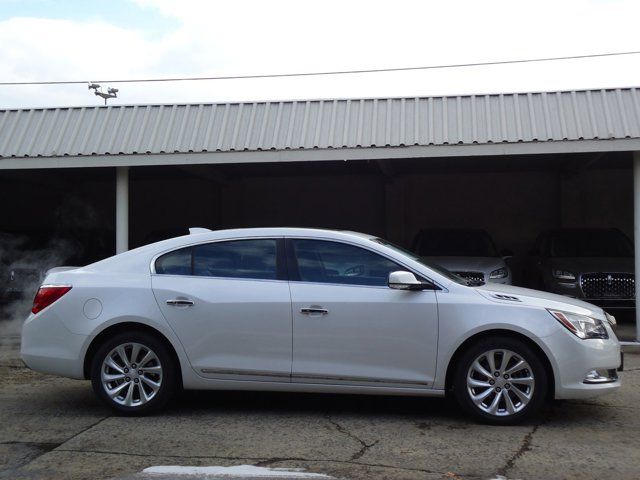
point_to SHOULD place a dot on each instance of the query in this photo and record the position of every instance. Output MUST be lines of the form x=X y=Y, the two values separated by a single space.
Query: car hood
x=467 y=264
x=537 y=298
x=593 y=264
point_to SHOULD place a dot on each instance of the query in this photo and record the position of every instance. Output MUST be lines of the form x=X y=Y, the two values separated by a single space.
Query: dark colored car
x=593 y=264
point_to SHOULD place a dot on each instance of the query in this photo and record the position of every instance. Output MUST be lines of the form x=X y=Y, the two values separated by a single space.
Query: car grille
x=608 y=285
x=476 y=277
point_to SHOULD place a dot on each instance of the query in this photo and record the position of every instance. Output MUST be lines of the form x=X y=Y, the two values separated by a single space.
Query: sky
x=56 y=40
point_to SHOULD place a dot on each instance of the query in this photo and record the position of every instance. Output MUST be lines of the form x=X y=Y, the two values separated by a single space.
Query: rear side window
x=238 y=259
x=177 y=262
x=234 y=259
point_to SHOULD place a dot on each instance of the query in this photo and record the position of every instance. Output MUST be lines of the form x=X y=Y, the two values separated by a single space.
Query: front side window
x=331 y=262
x=255 y=259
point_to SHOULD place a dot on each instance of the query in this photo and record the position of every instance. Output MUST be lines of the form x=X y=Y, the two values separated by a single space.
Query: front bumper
x=613 y=303
x=576 y=359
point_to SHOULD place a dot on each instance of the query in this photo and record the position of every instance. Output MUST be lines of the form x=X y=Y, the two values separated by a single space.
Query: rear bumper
x=49 y=347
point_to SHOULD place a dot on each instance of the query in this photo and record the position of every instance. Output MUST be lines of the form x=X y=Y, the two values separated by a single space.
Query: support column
x=636 y=234
x=122 y=209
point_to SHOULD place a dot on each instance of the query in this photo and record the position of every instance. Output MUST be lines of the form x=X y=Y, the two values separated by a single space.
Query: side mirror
x=402 y=280
x=506 y=253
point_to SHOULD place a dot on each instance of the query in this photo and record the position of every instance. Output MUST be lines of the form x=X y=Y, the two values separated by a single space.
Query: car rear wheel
x=134 y=373
x=500 y=381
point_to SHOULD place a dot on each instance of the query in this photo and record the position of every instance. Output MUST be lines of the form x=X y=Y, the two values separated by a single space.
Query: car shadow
x=275 y=403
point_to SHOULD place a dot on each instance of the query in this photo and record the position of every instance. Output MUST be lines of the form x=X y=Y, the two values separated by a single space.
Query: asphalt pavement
x=54 y=428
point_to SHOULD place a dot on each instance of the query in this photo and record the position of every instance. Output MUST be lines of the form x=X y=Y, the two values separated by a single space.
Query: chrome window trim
x=205 y=277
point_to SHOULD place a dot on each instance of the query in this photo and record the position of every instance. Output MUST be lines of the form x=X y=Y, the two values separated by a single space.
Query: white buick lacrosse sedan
x=308 y=310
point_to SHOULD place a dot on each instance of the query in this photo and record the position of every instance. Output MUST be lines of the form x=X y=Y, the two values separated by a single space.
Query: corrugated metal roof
x=321 y=124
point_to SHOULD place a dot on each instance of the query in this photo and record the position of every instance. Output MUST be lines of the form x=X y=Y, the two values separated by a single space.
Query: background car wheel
x=134 y=373
x=500 y=381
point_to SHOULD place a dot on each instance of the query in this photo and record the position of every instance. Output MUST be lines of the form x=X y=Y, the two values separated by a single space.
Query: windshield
x=589 y=243
x=455 y=243
x=408 y=253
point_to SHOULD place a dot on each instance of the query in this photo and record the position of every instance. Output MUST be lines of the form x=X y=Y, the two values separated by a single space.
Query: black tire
x=168 y=378
x=501 y=387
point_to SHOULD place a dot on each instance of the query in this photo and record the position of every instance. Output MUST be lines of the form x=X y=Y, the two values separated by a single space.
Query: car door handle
x=180 y=302
x=314 y=311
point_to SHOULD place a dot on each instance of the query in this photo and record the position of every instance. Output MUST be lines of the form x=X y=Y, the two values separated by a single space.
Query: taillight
x=48 y=294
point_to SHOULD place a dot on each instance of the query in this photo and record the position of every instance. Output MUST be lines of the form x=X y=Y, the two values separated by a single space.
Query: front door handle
x=180 y=302
x=314 y=311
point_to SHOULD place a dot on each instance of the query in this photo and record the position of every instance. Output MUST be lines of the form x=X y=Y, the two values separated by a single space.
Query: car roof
x=276 y=231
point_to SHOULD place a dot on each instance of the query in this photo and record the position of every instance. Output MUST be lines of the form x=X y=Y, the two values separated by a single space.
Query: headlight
x=580 y=325
x=499 y=273
x=562 y=274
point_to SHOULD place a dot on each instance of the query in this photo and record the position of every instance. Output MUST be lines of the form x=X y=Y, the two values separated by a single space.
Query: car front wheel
x=500 y=381
x=134 y=373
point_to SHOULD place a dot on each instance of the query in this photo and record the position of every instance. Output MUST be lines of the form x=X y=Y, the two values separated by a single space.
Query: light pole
x=97 y=89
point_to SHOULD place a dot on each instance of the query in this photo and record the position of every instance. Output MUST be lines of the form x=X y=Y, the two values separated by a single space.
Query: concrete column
x=636 y=233
x=122 y=209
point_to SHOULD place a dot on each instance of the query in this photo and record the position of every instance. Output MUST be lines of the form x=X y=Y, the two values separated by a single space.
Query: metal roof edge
x=330 y=154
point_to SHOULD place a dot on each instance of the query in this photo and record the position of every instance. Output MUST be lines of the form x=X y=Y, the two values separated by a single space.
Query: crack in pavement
x=45 y=447
x=94 y=424
x=23 y=453
x=364 y=446
x=524 y=448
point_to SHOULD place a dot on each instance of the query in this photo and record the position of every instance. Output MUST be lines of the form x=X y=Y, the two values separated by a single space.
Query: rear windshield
x=455 y=243
x=589 y=243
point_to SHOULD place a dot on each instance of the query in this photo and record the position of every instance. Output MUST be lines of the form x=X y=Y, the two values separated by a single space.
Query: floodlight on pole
x=97 y=90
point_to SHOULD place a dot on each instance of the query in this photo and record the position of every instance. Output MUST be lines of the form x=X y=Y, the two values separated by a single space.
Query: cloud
x=254 y=36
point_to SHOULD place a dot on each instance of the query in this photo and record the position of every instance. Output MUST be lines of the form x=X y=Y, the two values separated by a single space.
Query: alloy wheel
x=131 y=374
x=500 y=382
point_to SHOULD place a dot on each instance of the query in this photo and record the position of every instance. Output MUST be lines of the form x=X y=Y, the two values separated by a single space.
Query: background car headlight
x=499 y=273
x=562 y=274
x=580 y=325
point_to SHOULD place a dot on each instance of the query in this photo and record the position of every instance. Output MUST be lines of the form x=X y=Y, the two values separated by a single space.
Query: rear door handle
x=314 y=311
x=180 y=302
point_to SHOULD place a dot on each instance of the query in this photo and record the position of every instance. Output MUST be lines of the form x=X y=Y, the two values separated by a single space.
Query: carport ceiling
x=568 y=163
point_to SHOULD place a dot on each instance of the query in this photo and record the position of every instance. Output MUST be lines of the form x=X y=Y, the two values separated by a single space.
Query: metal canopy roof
x=365 y=125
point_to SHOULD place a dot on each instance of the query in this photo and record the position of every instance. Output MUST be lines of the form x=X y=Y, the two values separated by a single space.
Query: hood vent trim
x=505 y=298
